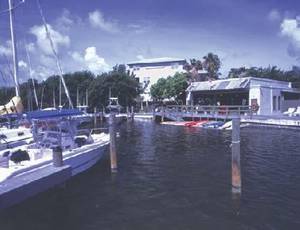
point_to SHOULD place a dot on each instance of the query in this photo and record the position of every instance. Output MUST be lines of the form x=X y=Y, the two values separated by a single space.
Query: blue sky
x=95 y=35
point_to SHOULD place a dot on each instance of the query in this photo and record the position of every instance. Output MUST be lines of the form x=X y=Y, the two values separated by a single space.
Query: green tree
x=121 y=84
x=172 y=88
x=158 y=90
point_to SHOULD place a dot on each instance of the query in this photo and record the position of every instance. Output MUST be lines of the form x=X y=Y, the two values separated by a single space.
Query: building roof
x=235 y=83
x=157 y=61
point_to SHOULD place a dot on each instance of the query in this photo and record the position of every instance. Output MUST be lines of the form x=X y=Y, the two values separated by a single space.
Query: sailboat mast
x=87 y=97
x=31 y=77
x=54 y=104
x=77 y=96
x=59 y=96
x=13 y=45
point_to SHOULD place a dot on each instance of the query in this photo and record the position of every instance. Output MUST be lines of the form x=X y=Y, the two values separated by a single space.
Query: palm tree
x=192 y=68
x=212 y=65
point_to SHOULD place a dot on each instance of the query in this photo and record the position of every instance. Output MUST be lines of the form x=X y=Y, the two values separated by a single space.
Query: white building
x=272 y=97
x=149 y=71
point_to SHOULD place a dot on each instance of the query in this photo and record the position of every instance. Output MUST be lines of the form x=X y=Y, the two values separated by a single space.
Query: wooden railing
x=206 y=110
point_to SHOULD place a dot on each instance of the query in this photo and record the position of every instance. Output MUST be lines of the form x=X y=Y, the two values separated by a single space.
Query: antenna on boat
x=54 y=54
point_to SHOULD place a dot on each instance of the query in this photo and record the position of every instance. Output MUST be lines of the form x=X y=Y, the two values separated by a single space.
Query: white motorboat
x=10 y=138
x=80 y=148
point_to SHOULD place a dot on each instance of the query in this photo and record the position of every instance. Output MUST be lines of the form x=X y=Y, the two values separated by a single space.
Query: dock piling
x=57 y=157
x=95 y=117
x=127 y=112
x=132 y=113
x=235 y=161
x=163 y=115
x=112 y=145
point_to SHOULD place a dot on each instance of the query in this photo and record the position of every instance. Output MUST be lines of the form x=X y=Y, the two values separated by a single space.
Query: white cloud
x=6 y=49
x=43 y=42
x=30 y=47
x=97 y=20
x=65 y=21
x=290 y=28
x=91 y=60
x=22 y=64
x=274 y=15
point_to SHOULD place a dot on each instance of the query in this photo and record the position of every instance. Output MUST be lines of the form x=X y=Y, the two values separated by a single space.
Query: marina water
x=176 y=178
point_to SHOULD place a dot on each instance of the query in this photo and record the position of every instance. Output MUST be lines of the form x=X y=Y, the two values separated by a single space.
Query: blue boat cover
x=47 y=114
x=11 y=115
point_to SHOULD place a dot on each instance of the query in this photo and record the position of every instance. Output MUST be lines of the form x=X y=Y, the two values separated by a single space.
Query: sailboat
x=13 y=136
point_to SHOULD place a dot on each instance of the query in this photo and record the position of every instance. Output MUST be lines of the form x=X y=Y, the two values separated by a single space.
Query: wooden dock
x=225 y=113
x=191 y=113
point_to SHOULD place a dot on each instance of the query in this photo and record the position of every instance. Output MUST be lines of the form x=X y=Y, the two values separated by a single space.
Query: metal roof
x=154 y=61
x=226 y=84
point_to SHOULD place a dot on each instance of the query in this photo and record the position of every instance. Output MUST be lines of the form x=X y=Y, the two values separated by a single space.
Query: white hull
x=80 y=159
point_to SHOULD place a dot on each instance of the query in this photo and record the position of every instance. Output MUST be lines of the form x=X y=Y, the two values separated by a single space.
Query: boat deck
x=19 y=188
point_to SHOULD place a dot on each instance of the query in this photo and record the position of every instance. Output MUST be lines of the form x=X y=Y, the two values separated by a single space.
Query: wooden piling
x=128 y=113
x=95 y=117
x=57 y=157
x=102 y=115
x=132 y=113
x=163 y=114
x=235 y=161
x=112 y=146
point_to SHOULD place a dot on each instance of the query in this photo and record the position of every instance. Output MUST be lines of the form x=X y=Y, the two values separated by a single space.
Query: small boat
x=196 y=123
x=228 y=125
x=81 y=149
x=213 y=124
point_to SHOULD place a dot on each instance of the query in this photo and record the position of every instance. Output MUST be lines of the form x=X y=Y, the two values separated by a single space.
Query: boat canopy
x=48 y=114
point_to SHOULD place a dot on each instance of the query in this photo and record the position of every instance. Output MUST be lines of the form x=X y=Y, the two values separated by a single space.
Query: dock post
x=112 y=145
x=235 y=160
x=103 y=114
x=163 y=115
x=127 y=112
x=57 y=157
x=95 y=117
x=132 y=113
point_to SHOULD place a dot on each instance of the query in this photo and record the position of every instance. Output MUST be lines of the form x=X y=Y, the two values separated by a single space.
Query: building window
x=279 y=103
x=274 y=103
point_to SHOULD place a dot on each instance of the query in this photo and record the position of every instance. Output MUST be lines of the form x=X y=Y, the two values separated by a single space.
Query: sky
x=97 y=34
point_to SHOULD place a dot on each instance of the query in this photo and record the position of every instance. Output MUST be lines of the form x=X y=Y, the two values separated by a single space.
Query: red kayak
x=194 y=123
